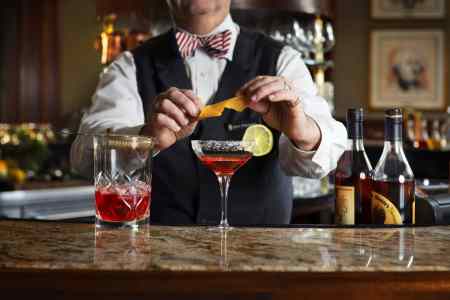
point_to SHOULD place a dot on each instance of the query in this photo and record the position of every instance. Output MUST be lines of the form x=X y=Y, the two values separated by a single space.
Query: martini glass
x=224 y=158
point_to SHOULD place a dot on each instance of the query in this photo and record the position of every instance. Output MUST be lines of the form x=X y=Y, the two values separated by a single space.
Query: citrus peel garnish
x=216 y=110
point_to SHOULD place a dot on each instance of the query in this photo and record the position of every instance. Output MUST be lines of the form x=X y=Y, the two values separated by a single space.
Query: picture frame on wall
x=407 y=69
x=404 y=9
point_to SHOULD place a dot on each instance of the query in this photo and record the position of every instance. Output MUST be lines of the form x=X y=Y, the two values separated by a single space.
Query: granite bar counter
x=66 y=260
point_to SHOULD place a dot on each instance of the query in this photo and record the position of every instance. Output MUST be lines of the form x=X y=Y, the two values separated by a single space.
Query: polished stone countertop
x=65 y=246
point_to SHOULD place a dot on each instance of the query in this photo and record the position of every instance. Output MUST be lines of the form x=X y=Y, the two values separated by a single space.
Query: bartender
x=159 y=88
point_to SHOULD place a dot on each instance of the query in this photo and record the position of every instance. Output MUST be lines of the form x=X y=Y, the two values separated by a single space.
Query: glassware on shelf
x=303 y=38
x=122 y=178
x=224 y=158
x=323 y=38
x=312 y=37
x=306 y=37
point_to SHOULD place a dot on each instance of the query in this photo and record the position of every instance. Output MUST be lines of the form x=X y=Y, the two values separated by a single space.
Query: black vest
x=183 y=190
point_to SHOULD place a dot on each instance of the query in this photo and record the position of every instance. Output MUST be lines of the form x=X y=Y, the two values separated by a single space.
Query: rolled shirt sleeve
x=318 y=163
x=116 y=105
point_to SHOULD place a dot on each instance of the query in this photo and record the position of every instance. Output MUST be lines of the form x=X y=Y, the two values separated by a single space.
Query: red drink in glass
x=225 y=164
x=224 y=158
x=122 y=203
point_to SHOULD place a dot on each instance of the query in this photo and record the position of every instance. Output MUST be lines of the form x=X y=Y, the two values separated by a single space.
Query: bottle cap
x=393 y=124
x=394 y=114
x=355 y=115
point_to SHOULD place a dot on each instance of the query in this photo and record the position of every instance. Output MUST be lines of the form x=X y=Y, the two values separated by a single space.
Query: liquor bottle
x=420 y=132
x=410 y=134
x=425 y=142
x=393 y=200
x=436 y=135
x=352 y=176
x=445 y=132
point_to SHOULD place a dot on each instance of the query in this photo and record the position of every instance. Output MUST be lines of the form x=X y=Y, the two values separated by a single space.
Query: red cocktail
x=224 y=158
x=122 y=203
x=122 y=176
x=225 y=164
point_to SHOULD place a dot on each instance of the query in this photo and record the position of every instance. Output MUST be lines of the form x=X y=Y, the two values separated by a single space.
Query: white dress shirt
x=117 y=105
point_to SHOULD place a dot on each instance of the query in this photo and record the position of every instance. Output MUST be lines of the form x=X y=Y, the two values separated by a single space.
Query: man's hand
x=174 y=117
x=281 y=108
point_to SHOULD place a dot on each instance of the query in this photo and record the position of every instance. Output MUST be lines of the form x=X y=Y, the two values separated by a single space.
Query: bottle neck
x=355 y=136
x=355 y=130
x=355 y=144
x=393 y=146
x=393 y=130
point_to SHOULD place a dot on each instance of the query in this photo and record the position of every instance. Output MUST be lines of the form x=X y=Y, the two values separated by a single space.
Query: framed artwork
x=400 y=9
x=407 y=69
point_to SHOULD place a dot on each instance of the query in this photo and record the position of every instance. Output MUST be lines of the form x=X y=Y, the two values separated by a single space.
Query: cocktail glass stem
x=224 y=184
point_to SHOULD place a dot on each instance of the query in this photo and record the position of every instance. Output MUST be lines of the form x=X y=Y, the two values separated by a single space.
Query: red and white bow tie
x=216 y=45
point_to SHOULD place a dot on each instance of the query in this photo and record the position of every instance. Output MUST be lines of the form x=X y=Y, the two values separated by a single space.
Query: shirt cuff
x=304 y=154
x=322 y=155
x=315 y=163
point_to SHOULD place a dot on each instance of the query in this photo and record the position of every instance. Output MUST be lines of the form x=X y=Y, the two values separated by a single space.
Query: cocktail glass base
x=221 y=228
x=135 y=224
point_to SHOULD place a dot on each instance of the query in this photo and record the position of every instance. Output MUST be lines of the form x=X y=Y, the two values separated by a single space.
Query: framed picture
x=407 y=69
x=400 y=9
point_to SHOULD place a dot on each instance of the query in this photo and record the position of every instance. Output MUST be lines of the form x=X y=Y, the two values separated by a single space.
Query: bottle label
x=384 y=211
x=345 y=205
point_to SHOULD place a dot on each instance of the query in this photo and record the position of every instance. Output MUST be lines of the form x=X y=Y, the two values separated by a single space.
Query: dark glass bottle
x=393 y=200
x=352 y=177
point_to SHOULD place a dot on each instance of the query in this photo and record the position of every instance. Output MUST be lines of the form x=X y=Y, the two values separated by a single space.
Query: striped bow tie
x=216 y=45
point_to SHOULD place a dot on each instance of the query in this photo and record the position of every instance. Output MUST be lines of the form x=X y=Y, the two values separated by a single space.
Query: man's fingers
x=283 y=95
x=256 y=85
x=243 y=89
x=265 y=90
x=253 y=85
x=163 y=120
x=170 y=109
x=183 y=102
x=194 y=98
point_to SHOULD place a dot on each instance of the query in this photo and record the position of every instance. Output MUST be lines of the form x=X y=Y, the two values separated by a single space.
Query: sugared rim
x=223 y=143
x=207 y=145
x=219 y=141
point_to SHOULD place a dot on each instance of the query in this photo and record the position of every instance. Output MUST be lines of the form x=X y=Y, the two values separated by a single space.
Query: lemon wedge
x=262 y=138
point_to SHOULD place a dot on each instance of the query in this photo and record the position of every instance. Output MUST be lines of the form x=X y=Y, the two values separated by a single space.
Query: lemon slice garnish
x=262 y=138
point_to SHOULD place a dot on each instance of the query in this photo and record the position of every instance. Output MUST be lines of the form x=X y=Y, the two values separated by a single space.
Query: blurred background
x=369 y=54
